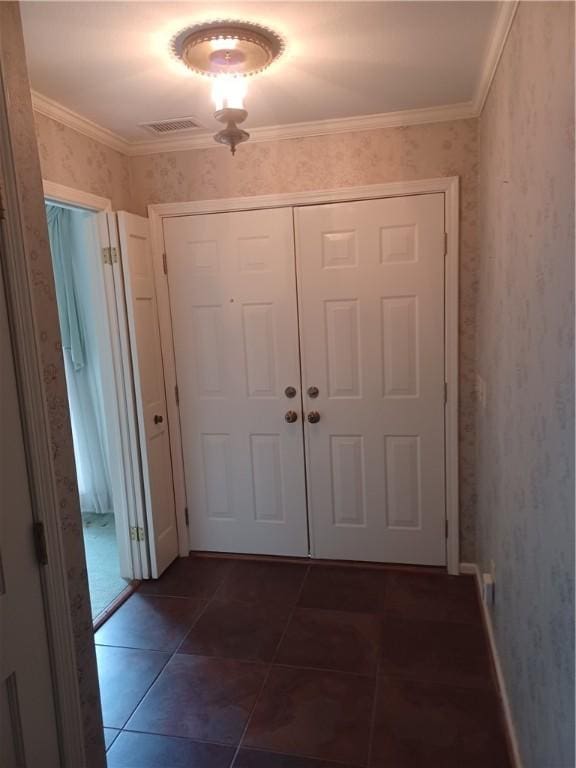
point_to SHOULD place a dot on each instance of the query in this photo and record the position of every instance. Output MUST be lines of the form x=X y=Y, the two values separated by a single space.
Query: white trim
x=205 y=139
x=133 y=562
x=472 y=568
x=495 y=48
x=449 y=186
x=58 y=193
x=39 y=457
x=451 y=363
x=50 y=108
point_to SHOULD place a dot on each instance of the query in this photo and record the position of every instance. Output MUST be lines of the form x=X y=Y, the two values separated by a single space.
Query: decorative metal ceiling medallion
x=239 y=48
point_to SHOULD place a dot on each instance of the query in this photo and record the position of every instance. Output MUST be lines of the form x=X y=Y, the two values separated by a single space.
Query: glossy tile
x=436 y=651
x=125 y=675
x=424 y=725
x=437 y=597
x=109 y=736
x=200 y=698
x=264 y=582
x=150 y=622
x=145 y=750
x=339 y=640
x=252 y=758
x=238 y=631
x=191 y=576
x=344 y=588
x=304 y=712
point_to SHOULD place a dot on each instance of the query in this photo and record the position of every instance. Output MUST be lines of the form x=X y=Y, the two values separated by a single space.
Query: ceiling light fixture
x=229 y=52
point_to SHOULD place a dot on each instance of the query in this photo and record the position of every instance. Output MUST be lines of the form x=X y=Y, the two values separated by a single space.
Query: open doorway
x=88 y=319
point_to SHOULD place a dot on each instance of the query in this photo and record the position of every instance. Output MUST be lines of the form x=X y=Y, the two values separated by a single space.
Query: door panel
x=28 y=731
x=371 y=291
x=233 y=303
x=149 y=388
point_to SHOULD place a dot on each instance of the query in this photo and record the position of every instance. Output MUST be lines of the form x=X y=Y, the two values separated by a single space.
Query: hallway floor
x=256 y=664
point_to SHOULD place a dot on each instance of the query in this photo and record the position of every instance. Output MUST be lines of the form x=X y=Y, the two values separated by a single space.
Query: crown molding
x=50 y=108
x=406 y=117
x=204 y=139
x=500 y=32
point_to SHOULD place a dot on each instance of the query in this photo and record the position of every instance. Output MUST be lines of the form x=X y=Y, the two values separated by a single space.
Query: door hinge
x=40 y=543
x=109 y=255
x=186 y=516
x=445 y=392
x=445 y=243
x=137 y=534
x=164 y=263
x=446 y=527
x=177 y=394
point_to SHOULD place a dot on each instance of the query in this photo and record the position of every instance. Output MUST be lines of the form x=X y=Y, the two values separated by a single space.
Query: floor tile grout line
x=335 y=761
x=147 y=691
x=270 y=667
x=373 y=715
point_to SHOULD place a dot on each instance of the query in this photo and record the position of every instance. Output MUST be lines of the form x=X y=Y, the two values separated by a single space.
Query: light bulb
x=229 y=92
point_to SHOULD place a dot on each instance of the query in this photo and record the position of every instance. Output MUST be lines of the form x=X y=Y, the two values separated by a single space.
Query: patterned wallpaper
x=44 y=305
x=345 y=160
x=70 y=158
x=525 y=349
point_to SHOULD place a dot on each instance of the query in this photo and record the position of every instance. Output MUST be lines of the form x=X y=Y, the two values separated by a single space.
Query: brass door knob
x=158 y=419
x=291 y=417
x=313 y=391
x=313 y=417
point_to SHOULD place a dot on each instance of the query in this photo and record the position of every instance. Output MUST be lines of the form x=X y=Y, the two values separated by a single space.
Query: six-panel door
x=371 y=329
x=371 y=291
x=233 y=303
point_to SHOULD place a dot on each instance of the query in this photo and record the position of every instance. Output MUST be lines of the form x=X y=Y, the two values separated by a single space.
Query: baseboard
x=472 y=568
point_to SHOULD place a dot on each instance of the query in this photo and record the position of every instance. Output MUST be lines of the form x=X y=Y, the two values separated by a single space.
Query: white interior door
x=371 y=289
x=149 y=389
x=103 y=322
x=28 y=735
x=231 y=280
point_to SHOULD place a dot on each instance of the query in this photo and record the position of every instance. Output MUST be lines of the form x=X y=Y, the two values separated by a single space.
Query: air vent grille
x=177 y=125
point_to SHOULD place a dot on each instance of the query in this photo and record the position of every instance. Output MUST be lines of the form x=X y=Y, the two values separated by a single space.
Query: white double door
x=343 y=303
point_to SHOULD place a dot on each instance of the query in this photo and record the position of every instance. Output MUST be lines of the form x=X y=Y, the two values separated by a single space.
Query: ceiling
x=110 y=62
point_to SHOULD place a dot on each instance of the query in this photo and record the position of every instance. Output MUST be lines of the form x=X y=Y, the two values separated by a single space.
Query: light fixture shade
x=228 y=92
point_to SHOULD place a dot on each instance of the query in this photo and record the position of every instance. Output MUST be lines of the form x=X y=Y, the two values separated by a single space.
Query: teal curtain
x=77 y=317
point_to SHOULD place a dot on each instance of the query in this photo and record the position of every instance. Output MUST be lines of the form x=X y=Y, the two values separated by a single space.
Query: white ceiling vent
x=177 y=125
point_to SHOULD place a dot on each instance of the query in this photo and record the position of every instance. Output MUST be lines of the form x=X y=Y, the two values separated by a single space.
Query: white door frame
x=124 y=438
x=38 y=446
x=449 y=187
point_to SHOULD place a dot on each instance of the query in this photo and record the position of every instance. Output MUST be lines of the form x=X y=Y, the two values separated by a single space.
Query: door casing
x=449 y=187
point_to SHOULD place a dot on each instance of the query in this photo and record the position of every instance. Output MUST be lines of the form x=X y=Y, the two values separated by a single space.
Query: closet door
x=371 y=289
x=231 y=279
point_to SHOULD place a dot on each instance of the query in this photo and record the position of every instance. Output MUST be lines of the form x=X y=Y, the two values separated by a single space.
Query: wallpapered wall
x=525 y=464
x=351 y=159
x=46 y=316
x=346 y=160
x=70 y=158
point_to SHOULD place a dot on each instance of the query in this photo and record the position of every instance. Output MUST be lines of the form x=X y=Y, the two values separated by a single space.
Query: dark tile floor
x=227 y=663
